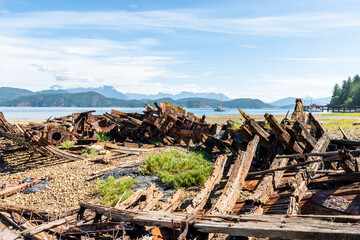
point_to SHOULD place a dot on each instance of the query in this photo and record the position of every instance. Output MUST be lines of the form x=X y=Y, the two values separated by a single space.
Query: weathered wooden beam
x=173 y=202
x=107 y=227
x=267 y=186
x=18 y=188
x=246 y=132
x=349 y=162
x=101 y=172
x=303 y=177
x=152 y=203
x=329 y=159
x=281 y=134
x=29 y=225
x=345 y=142
x=133 y=198
x=304 y=135
x=345 y=137
x=7 y=207
x=274 y=226
x=40 y=228
x=298 y=114
x=201 y=198
x=317 y=127
x=324 y=154
x=256 y=129
x=233 y=187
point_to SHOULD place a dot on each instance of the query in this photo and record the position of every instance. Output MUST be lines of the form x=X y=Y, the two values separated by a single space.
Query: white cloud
x=40 y=63
x=312 y=59
x=181 y=19
x=274 y=87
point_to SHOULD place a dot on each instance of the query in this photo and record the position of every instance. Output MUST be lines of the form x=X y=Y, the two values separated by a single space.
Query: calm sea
x=37 y=113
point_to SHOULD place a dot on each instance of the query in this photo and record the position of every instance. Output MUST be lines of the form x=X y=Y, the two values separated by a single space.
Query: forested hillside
x=348 y=93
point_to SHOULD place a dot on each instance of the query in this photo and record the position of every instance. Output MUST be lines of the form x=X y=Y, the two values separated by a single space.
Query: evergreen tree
x=348 y=93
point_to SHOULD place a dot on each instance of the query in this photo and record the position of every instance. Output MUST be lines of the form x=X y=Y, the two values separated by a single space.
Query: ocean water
x=38 y=113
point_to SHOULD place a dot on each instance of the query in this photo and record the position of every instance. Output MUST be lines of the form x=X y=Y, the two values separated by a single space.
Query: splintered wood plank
x=303 y=176
x=148 y=196
x=173 y=202
x=267 y=186
x=33 y=230
x=133 y=198
x=281 y=134
x=234 y=185
x=152 y=203
x=201 y=198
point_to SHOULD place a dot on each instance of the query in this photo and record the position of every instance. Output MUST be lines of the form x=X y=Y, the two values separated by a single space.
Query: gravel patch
x=68 y=179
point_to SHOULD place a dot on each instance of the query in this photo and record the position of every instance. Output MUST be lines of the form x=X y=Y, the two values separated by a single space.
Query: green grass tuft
x=154 y=142
x=344 y=114
x=67 y=144
x=334 y=124
x=90 y=153
x=103 y=136
x=177 y=169
x=112 y=189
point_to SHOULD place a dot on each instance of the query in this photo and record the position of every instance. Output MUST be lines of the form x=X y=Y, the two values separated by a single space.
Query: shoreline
x=221 y=119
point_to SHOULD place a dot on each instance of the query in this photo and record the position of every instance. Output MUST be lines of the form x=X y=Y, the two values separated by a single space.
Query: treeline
x=348 y=93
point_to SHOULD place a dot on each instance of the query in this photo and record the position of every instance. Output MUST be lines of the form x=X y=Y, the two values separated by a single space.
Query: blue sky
x=257 y=49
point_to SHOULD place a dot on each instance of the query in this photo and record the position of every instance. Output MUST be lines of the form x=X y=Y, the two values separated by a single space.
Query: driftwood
x=201 y=198
x=236 y=180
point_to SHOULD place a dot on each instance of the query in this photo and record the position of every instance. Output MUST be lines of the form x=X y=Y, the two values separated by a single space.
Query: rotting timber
x=281 y=178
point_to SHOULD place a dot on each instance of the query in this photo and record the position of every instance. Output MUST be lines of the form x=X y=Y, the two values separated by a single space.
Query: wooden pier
x=332 y=108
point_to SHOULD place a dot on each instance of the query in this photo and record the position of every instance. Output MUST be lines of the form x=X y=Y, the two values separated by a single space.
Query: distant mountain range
x=93 y=99
x=7 y=93
x=107 y=96
x=290 y=101
x=217 y=96
x=111 y=92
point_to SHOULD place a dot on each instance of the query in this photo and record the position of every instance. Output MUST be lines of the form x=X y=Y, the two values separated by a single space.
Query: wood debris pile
x=280 y=179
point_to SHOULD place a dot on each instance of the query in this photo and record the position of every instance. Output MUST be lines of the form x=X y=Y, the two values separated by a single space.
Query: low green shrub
x=176 y=169
x=112 y=189
x=103 y=136
x=90 y=153
x=235 y=126
x=67 y=144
